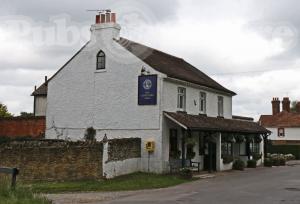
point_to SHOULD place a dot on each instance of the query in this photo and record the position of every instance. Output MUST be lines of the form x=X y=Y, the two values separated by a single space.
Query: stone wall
x=128 y=148
x=16 y=127
x=53 y=159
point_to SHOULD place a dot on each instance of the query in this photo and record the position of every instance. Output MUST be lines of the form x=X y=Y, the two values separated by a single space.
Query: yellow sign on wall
x=150 y=146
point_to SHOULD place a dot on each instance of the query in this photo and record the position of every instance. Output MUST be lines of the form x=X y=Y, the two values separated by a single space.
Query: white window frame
x=220 y=106
x=181 y=92
x=202 y=102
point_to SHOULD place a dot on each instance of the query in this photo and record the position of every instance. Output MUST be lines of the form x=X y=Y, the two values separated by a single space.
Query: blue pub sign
x=147 y=90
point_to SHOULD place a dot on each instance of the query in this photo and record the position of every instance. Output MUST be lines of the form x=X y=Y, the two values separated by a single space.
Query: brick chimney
x=105 y=28
x=275 y=106
x=286 y=104
x=298 y=107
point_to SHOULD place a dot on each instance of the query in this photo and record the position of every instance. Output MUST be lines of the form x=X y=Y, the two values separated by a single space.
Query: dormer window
x=100 y=60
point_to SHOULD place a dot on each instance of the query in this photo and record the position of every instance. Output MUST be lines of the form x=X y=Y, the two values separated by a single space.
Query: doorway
x=210 y=156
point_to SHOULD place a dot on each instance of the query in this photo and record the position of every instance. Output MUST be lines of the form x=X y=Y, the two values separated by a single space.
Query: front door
x=210 y=156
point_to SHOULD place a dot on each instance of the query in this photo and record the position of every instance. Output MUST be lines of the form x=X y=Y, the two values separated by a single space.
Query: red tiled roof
x=205 y=123
x=282 y=119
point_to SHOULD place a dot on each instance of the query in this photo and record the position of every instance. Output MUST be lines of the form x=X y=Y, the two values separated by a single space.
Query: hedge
x=285 y=149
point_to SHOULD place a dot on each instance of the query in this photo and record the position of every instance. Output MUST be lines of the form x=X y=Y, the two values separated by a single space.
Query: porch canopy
x=215 y=124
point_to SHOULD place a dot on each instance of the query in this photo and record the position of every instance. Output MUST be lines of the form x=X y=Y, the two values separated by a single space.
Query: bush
x=282 y=161
x=227 y=159
x=285 y=149
x=276 y=161
x=186 y=173
x=90 y=134
x=268 y=162
x=256 y=156
x=251 y=163
x=238 y=165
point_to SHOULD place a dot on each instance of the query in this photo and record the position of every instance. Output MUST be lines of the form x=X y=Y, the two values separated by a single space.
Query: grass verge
x=20 y=195
x=136 y=181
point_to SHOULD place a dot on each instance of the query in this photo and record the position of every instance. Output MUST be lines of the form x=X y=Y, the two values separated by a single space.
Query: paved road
x=254 y=186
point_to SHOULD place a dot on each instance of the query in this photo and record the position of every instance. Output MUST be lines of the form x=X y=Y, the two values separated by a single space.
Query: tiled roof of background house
x=200 y=122
x=172 y=66
x=282 y=119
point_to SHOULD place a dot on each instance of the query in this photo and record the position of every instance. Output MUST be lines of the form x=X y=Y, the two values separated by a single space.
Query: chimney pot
x=102 y=18
x=113 y=18
x=107 y=17
x=97 y=19
x=35 y=88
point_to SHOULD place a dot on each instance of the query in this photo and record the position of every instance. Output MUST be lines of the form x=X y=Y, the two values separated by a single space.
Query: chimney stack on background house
x=275 y=106
x=286 y=104
x=298 y=107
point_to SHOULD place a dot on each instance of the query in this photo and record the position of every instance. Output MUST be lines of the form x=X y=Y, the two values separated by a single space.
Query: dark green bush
x=282 y=161
x=186 y=173
x=251 y=163
x=268 y=162
x=256 y=156
x=227 y=159
x=90 y=134
x=238 y=165
x=276 y=162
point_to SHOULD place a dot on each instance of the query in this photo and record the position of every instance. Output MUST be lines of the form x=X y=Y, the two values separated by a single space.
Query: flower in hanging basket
x=239 y=139
x=249 y=138
x=257 y=139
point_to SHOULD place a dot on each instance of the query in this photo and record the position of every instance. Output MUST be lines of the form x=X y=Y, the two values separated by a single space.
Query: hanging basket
x=229 y=138
x=257 y=139
x=239 y=139
x=249 y=138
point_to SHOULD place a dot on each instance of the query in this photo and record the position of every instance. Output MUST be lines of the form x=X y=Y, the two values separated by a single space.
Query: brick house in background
x=284 y=124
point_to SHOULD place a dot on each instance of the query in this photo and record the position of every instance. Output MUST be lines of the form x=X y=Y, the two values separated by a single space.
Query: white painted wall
x=169 y=100
x=40 y=105
x=290 y=134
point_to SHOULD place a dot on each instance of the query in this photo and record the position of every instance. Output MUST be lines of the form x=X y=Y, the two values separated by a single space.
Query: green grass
x=136 y=181
x=20 y=195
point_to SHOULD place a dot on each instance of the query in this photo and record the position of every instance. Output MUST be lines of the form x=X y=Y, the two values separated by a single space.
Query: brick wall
x=53 y=159
x=15 y=127
x=127 y=148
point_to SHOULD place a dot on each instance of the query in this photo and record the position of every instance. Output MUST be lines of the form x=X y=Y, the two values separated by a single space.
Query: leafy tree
x=25 y=114
x=3 y=111
x=293 y=107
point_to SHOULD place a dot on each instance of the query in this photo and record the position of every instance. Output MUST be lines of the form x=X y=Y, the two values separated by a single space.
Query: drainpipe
x=183 y=148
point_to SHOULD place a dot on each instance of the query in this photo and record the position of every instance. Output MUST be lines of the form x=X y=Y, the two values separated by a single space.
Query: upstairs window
x=181 y=98
x=202 y=104
x=281 y=132
x=100 y=60
x=220 y=106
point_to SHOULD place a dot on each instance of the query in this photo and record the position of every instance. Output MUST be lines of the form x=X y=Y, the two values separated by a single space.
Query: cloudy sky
x=250 y=46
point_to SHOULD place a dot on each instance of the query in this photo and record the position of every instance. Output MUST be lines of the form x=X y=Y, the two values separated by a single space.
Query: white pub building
x=124 y=89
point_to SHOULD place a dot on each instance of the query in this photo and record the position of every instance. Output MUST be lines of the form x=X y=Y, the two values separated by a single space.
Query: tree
x=293 y=107
x=3 y=111
x=25 y=114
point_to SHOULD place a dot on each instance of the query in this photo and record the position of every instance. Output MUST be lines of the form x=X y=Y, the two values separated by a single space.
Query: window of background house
x=281 y=132
x=202 y=102
x=101 y=60
x=181 y=100
x=220 y=106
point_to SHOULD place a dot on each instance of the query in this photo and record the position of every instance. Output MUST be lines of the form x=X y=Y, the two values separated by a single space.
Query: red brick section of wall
x=15 y=127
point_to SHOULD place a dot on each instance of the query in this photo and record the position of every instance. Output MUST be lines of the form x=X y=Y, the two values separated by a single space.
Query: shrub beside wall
x=127 y=148
x=285 y=149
